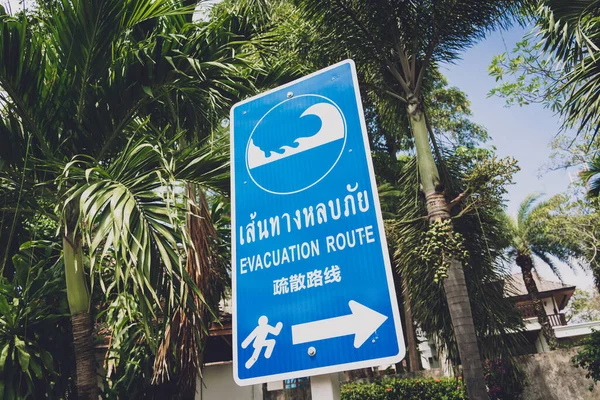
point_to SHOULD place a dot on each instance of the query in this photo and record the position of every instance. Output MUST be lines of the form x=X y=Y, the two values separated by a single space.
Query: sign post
x=313 y=290
x=325 y=387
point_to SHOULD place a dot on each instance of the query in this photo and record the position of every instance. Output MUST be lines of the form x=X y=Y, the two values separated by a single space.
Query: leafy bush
x=589 y=356
x=503 y=380
x=130 y=358
x=36 y=360
x=406 y=389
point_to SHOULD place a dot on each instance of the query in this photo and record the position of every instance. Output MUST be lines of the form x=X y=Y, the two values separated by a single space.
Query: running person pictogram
x=259 y=337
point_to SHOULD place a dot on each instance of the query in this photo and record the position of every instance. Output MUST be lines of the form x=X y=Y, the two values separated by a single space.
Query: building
x=555 y=297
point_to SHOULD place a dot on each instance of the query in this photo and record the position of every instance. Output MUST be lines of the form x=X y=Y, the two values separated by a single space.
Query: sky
x=524 y=133
x=14 y=5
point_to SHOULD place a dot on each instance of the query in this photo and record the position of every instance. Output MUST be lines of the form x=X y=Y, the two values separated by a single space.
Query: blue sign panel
x=312 y=284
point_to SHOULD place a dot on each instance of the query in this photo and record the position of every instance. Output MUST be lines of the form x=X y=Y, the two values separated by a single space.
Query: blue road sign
x=313 y=291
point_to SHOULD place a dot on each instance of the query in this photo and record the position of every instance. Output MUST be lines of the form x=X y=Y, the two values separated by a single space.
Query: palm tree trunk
x=189 y=327
x=79 y=302
x=409 y=330
x=526 y=264
x=411 y=339
x=455 y=285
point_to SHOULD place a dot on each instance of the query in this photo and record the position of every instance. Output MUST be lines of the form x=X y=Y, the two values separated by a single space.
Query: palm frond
x=542 y=235
x=206 y=164
x=23 y=87
x=525 y=208
x=591 y=176
x=570 y=32
x=402 y=39
x=207 y=270
x=114 y=101
x=548 y=261
x=128 y=213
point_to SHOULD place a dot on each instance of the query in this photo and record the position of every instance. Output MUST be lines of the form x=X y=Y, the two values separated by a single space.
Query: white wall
x=548 y=305
x=541 y=345
x=217 y=383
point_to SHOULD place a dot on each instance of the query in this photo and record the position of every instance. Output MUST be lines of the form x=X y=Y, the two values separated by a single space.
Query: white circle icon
x=296 y=144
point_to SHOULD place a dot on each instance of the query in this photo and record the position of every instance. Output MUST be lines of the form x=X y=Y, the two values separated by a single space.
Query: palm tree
x=395 y=44
x=530 y=238
x=96 y=97
x=570 y=31
x=449 y=120
x=497 y=322
x=591 y=177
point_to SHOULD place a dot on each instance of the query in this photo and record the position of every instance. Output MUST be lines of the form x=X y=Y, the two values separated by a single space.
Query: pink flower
x=388 y=389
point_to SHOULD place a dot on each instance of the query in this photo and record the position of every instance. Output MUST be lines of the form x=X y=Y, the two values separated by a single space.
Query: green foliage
x=440 y=244
x=572 y=227
x=128 y=212
x=497 y=322
x=591 y=177
x=538 y=230
x=589 y=356
x=526 y=75
x=502 y=379
x=584 y=306
x=557 y=63
x=406 y=389
x=570 y=32
x=105 y=107
x=36 y=359
x=280 y=42
x=486 y=179
x=449 y=113
x=130 y=359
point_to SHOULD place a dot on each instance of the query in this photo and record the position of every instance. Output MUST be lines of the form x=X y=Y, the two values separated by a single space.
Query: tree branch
x=409 y=221
x=392 y=68
x=23 y=112
x=402 y=99
x=426 y=61
x=458 y=199
x=404 y=62
x=463 y=211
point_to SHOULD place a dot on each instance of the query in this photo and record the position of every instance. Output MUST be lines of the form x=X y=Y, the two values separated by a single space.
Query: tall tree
x=591 y=177
x=557 y=63
x=584 y=306
x=529 y=238
x=575 y=223
x=395 y=44
x=449 y=113
x=570 y=31
x=480 y=241
x=95 y=96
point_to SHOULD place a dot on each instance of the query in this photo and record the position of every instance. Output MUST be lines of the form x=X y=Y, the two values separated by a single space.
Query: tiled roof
x=517 y=286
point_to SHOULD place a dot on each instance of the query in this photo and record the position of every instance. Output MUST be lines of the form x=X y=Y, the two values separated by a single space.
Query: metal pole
x=325 y=387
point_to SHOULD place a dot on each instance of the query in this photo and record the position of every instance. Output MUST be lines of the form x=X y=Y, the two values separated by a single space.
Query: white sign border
x=386 y=258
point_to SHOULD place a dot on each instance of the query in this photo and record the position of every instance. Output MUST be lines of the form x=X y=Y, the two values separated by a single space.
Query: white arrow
x=362 y=323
